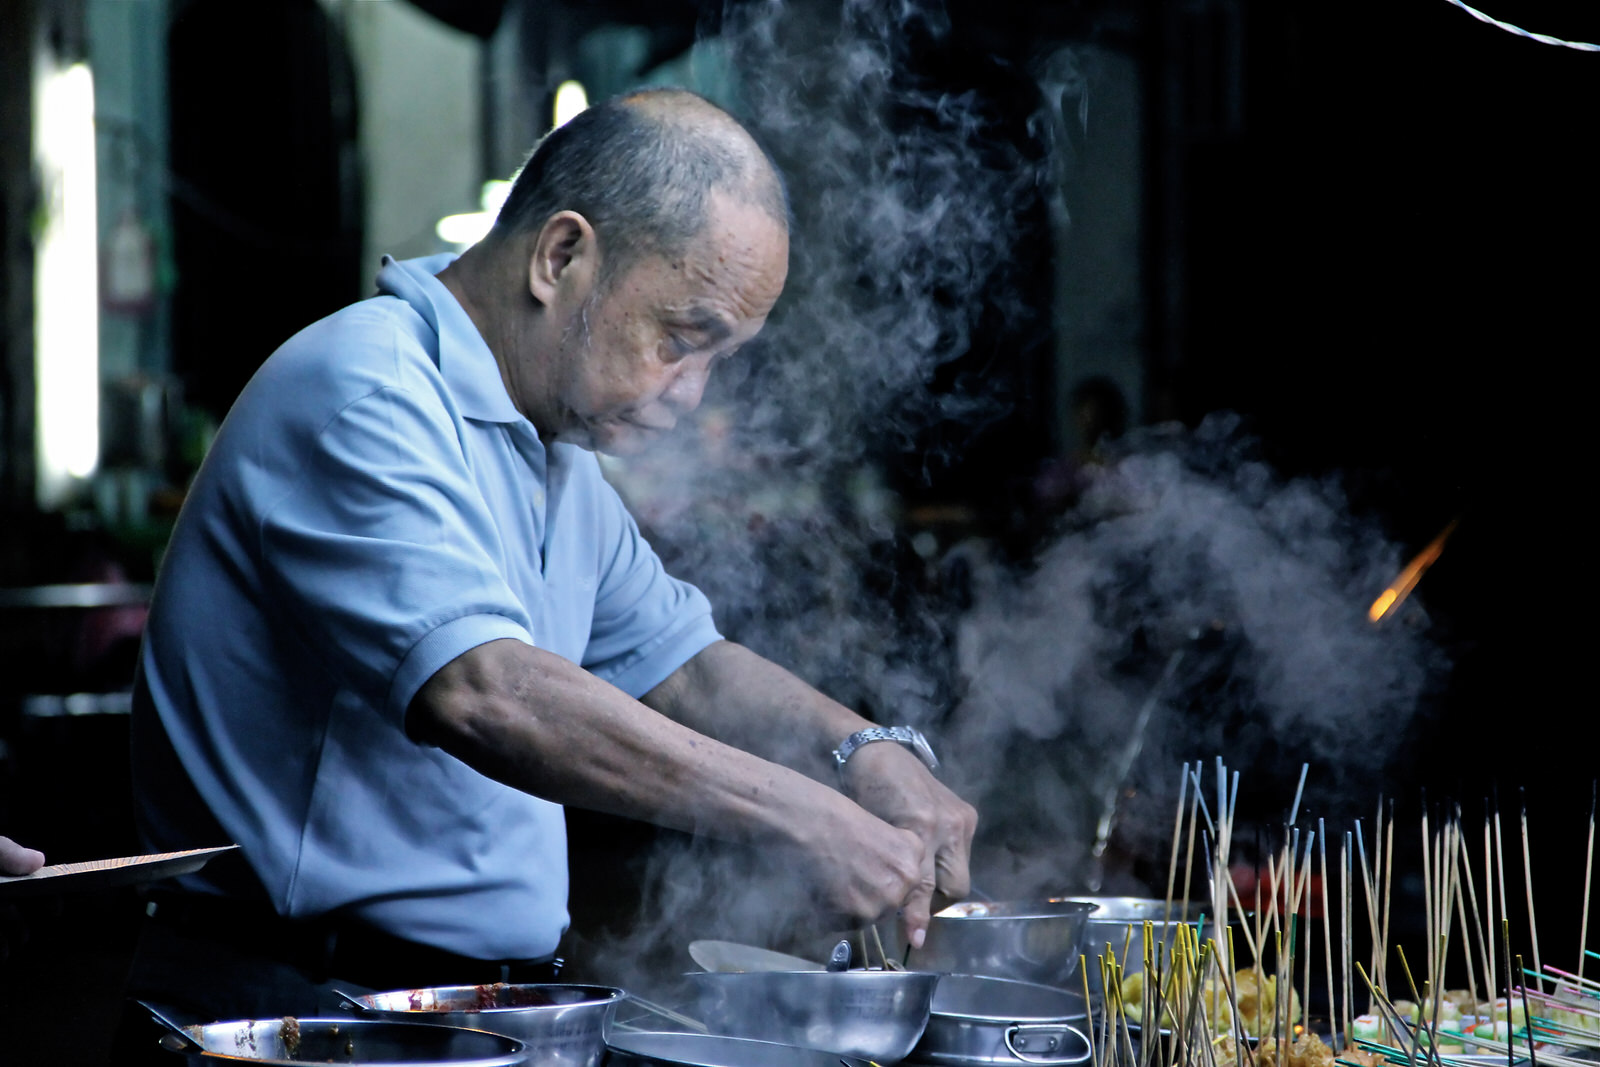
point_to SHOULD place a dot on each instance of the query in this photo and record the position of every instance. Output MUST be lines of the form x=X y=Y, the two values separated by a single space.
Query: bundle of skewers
x=1224 y=981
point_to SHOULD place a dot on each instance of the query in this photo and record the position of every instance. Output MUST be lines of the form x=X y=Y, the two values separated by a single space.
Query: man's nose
x=684 y=394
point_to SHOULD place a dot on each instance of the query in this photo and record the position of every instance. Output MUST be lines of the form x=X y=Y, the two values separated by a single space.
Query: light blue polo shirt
x=373 y=507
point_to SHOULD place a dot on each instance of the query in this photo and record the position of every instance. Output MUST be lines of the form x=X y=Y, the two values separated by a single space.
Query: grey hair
x=641 y=169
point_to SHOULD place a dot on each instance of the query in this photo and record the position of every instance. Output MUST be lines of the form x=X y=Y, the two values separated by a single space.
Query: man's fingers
x=954 y=853
x=954 y=876
x=919 y=904
x=17 y=860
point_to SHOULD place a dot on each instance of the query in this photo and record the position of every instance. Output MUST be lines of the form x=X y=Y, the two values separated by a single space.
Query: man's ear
x=564 y=260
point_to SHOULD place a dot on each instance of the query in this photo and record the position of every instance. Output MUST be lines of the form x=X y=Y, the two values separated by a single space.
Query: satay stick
x=1588 y=869
x=1177 y=832
x=1527 y=876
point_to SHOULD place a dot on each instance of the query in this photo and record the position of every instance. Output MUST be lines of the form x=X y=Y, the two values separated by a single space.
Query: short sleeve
x=646 y=623
x=379 y=553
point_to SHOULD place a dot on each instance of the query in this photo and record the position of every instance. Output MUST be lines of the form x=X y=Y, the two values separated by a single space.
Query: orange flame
x=1392 y=597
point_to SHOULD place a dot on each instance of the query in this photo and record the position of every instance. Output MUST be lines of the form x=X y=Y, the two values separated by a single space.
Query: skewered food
x=1254 y=995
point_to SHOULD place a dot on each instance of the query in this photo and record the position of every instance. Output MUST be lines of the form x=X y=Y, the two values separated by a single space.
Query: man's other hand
x=16 y=860
x=889 y=781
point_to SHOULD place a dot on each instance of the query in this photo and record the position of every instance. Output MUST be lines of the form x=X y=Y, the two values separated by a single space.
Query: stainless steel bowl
x=1030 y=941
x=293 y=1042
x=563 y=1025
x=876 y=1015
x=654 y=1049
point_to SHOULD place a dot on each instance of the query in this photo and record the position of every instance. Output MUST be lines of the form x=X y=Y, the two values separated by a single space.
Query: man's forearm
x=544 y=725
x=738 y=697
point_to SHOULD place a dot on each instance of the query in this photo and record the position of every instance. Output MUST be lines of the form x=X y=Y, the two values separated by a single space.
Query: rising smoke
x=1190 y=584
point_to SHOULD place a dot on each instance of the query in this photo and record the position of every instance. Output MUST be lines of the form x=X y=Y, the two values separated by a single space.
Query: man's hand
x=16 y=860
x=887 y=780
x=862 y=867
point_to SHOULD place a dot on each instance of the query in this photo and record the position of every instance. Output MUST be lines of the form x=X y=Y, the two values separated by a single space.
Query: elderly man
x=403 y=619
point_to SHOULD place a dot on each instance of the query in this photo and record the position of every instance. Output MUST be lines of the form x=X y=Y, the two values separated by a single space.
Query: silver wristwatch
x=905 y=735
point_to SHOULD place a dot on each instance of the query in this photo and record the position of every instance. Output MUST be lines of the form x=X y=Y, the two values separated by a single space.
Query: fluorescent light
x=470 y=227
x=66 y=291
x=571 y=98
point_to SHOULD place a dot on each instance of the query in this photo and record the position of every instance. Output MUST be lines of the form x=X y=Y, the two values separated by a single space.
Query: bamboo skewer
x=1488 y=911
x=1428 y=912
x=1533 y=1059
x=1527 y=878
x=1299 y=790
x=1466 y=940
x=1305 y=934
x=1177 y=833
x=1370 y=889
x=1344 y=929
x=1478 y=928
x=1188 y=863
x=1327 y=929
x=1388 y=878
x=1588 y=870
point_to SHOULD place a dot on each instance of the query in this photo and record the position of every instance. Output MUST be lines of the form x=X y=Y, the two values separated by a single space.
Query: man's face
x=637 y=356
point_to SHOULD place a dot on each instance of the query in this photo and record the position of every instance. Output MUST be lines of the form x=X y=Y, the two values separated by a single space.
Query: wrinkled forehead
x=745 y=249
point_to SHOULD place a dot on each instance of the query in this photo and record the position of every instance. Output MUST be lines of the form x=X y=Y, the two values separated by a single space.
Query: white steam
x=908 y=207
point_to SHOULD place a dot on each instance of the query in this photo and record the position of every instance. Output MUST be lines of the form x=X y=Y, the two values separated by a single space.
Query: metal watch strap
x=905 y=735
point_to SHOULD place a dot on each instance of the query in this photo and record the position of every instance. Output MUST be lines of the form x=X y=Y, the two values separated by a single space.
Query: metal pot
x=1032 y=941
x=563 y=1025
x=655 y=1049
x=876 y=1015
x=977 y=1020
x=292 y=1042
x=1119 y=922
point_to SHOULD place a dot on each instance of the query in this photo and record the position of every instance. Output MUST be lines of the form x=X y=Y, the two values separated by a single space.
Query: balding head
x=642 y=169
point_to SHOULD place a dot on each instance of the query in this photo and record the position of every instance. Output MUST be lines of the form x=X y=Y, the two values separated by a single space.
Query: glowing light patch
x=66 y=290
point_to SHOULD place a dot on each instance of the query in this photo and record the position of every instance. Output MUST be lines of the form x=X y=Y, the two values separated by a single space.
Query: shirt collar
x=465 y=362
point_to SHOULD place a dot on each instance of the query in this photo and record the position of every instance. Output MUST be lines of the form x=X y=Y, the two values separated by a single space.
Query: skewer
x=1370 y=892
x=1177 y=833
x=667 y=1013
x=1388 y=878
x=1327 y=926
x=1527 y=1028
x=1088 y=1001
x=1461 y=917
x=1428 y=903
x=1189 y=853
x=1588 y=870
x=1391 y=1017
x=1588 y=983
x=1378 y=870
x=1527 y=877
x=888 y=964
x=1448 y=886
x=1344 y=927
x=1294 y=809
x=1505 y=942
x=1488 y=909
x=1477 y=925
x=1305 y=935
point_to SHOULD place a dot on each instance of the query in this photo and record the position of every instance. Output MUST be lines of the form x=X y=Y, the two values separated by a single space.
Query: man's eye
x=681 y=345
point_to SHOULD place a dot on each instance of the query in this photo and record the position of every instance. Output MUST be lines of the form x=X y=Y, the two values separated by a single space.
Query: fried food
x=1255 y=996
